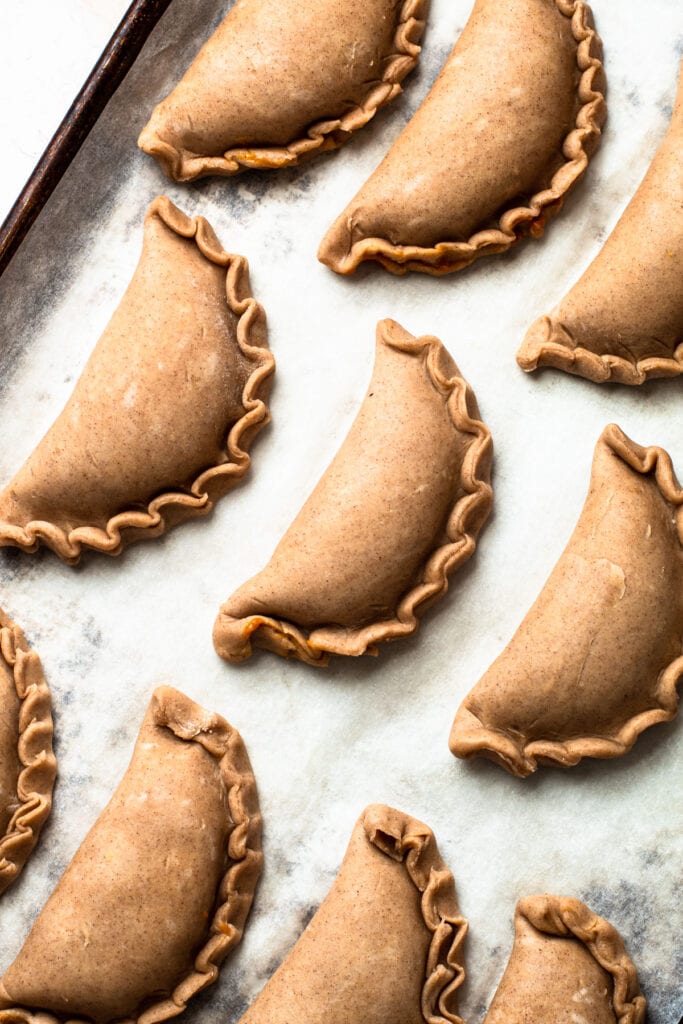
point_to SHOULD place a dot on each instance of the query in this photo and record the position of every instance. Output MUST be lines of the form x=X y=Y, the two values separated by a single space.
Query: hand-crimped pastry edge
x=322 y=136
x=411 y=842
x=566 y=917
x=39 y=766
x=171 y=507
x=465 y=521
x=549 y=342
x=470 y=737
x=190 y=722
x=447 y=257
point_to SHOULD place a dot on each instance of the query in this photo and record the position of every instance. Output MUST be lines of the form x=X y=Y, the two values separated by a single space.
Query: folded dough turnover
x=504 y=134
x=266 y=91
x=623 y=320
x=158 y=893
x=398 y=509
x=27 y=763
x=567 y=964
x=597 y=658
x=160 y=421
x=385 y=944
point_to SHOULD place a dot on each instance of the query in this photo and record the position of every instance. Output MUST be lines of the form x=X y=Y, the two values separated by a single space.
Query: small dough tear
x=567 y=964
x=159 y=424
x=28 y=766
x=159 y=891
x=266 y=91
x=399 y=509
x=623 y=320
x=599 y=655
x=385 y=945
x=504 y=134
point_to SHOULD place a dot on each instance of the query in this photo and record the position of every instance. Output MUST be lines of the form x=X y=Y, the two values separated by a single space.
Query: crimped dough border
x=34 y=747
x=173 y=506
x=550 y=343
x=191 y=723
x=570 y=918
x=404 y=839
x=447 y=257
x=322 y=136
x=466 y=519
x=522 y=758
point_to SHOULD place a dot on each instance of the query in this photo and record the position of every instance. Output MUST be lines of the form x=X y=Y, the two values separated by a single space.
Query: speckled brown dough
x=267 y=91
x=159 y=891
x=567 y=965
x=598 y=657
x=386 y=943
x=623 y=320
x=160 y=422
x=27 y=763
x=504 y=134
x=399 y=508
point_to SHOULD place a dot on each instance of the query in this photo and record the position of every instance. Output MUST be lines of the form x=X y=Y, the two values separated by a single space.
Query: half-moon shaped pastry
x=399 y=508
x=502 y=137
x=159 y=424
x=158 y=893
x=27 y=763
x=623 y=321
x=385 y=944
x=267 y=91
x=567 y=964
x=598 y=657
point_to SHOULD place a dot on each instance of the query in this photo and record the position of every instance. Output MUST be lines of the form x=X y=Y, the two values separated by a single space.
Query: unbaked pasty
x=623 y=321
x=270 y=88
x=567 y=964
x=399 y=508
x=160 y=421
x=27 y=763
x=158 y=893
x=597 y=658
x=385 y=944
x=504 y=134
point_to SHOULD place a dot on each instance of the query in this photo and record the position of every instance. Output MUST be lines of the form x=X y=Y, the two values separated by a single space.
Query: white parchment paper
x=324 y=744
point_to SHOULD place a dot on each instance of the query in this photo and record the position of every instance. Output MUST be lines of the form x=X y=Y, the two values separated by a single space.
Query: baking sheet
x=324 y=744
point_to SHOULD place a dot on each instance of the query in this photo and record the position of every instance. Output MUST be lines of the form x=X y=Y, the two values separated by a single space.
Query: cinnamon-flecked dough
x=504 y=134
x=623 y=320
x=27 y=763
x=385 y=944
x=269 y=89
x=160 y=422
x=158 y=893
x=599 y=655
x=399 y=508
x=567 y=964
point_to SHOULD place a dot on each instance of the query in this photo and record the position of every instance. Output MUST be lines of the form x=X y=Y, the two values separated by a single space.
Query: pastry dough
x=567 y=964
x=623 y=321
x=399 y=508
x=159 y=891
x=27 y=763
x=386 y=943
x=597 y=658
x=160 y=422
x=504 y=134
x=266 y=91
